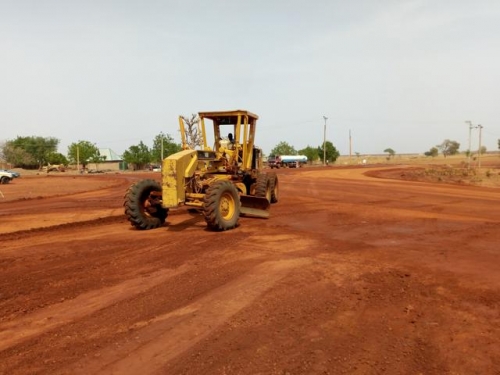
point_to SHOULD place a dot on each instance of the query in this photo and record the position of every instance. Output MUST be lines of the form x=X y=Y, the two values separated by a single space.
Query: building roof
x=110 y=154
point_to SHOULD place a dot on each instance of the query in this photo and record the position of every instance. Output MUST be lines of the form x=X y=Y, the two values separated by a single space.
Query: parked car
x=13 y=173
x=155 y=168
x=5 y=177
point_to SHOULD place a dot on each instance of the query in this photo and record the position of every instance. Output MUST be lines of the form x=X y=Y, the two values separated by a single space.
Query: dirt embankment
x=488 y=176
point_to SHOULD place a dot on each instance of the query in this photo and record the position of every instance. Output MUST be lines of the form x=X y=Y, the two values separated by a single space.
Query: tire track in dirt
x=168 y=335
x=436 y=202
x=59 y=209
x=29 y=193
x=85 y=304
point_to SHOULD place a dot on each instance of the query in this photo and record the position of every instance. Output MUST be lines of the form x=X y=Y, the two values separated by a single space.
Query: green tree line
x=449 y=147
x=329 y=151
x=34 y=152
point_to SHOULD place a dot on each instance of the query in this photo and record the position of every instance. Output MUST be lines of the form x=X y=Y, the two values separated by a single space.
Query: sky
x=400 y=74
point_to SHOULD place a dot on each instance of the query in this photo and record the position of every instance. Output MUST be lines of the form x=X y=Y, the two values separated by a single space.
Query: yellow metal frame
x=175 y=169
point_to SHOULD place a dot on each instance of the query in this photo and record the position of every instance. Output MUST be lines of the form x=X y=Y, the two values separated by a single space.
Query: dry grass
x=489 y=177
x=451 y=170
x=416 y=159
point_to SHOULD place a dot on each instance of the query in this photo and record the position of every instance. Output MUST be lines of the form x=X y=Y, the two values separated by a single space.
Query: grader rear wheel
x=141 y=208
x=274 y=187
x=221 y=206
x=263 y=187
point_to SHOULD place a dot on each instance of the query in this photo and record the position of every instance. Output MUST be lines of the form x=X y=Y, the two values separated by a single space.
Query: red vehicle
x=274 y=162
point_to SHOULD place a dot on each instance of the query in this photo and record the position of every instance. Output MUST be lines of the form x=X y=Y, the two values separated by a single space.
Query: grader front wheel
x=142 y=207
x=221 y=206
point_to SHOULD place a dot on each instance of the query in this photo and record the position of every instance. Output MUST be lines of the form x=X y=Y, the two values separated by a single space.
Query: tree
x=83 y=152
x=331 y=152
x=192 y=129
x=283 y=148
x=499 y=144
x=18 y=157
x=482 y=150
x=169 y=147
x=139 y=156
x=30 y=151
x=390 y=153
x=448 y=147
x=310 y=152
x=57 y=158
x=432 y=152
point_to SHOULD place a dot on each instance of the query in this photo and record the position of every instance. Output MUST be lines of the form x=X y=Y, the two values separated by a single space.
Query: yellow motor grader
x=222 y=182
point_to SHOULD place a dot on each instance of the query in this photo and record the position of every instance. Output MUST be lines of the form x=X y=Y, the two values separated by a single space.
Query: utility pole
x=470 y=151
x=479 y=150
x=161 y=161
x=324 y=141
x=350 y=146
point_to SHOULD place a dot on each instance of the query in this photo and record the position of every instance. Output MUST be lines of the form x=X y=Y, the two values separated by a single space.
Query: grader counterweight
x=222 y=182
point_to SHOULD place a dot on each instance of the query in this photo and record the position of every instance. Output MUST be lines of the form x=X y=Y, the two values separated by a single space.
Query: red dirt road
x=351 y=274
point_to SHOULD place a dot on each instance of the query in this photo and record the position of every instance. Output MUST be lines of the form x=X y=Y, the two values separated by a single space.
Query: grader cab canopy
x=232 y=131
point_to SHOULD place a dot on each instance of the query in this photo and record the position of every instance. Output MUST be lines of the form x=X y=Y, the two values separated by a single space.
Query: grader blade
x=254 y=206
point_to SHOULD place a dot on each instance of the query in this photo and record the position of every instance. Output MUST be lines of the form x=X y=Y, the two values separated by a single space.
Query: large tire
x=273 y=178
x=221 y=206
x=142 y=212
x=263 y=186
